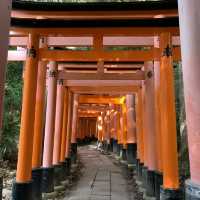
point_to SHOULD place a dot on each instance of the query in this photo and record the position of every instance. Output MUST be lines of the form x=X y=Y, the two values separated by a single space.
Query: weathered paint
x=64 y=126
x=28 y=112
x=150 y=116
x=131 y=123
x=190 y=49
x=74 y=119
x=157 y=104
x=168 y=117
x=58 y=122
x=50 y=115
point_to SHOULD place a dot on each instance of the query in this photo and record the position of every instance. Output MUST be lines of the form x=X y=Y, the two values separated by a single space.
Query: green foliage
x=12 y=108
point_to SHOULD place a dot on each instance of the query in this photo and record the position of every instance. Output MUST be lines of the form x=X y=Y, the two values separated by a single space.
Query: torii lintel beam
x=88 y=41
x=98 y=100
x=102 y=83
x=96 y=55
x=139 y=75
x=114 y=31
x=105 y=90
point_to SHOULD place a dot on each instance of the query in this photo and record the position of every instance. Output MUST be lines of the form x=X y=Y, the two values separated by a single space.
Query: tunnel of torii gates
x=122 y=96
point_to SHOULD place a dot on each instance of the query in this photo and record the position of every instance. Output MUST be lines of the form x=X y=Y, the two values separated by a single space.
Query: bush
x=12 y=110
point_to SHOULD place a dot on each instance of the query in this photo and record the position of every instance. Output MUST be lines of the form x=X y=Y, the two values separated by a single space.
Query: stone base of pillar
x=58 y=176
x=139 y=169
x=22 y=191
x=106 y=147
x=111 y=145
x=119 y=147
x=73 y=152
x=150 y=186
x=170 y=194
x=192 y=190
x=131 y=153
x=47 y=180
x=144 y=176
x=80 y=141
x=109 y=148
x=64 y=170
x=37 y=181
x=158 y=183
x=123 y=154
x=103 y=145
x=68 y=166
x=115 y=146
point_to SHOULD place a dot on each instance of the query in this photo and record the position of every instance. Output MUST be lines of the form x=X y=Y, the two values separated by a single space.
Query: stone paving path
x=101 y=179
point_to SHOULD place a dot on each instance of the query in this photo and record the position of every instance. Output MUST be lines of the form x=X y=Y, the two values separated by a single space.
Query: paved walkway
x=101 y=179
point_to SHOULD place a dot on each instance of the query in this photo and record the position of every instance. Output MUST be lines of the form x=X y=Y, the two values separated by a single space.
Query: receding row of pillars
x=87 y=129
x=148 y=121
x=47 y=143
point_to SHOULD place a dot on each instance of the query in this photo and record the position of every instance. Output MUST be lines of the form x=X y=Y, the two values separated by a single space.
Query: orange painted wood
x=138 y=75
x=131 y=123
x=50 y=115
x=58 y=122
x=64 y=126
x=95 y=99
x=69 y=125
x=39 y=115
x=98 y=55
x=157 y=100
x=105 y=15
x=121 y=135
x=124 y=122
x=28 y=112
x=150 y=116
x=123 y=90
x=119 y=140
x=88 y=56
x=74 y=118
x=88 y=41
x=114 y=31
x=139 y=126
x=168 y=118
x=144 y=129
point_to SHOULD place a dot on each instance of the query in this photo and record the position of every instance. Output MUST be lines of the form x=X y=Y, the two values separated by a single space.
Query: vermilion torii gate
x=136 y=78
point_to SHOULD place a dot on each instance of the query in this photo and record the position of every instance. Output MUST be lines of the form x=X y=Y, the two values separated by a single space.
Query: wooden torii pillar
x=115 y=130
x=22 y=188
x=47 y=164
x=189 y=19
x=64 y=136
x=150 y=129
x=140 y=133
x=158 y=129
x=74 y=128
x=58 y=133
x=119 y=131
x=68 y=129
x=131 y=131
x=5 y=8
x=170 y=188
x=123 y=125
x=39 y=127
x=100 y=128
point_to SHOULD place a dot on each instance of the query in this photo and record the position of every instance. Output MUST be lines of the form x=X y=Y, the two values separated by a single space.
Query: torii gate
x=28 y=26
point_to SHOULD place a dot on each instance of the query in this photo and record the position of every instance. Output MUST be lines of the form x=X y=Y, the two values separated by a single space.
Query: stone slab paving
x=101 y=179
